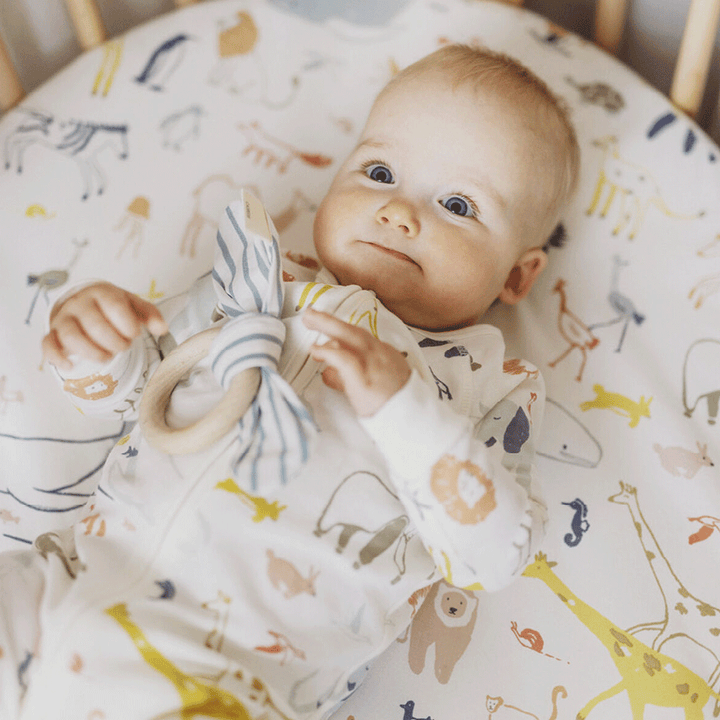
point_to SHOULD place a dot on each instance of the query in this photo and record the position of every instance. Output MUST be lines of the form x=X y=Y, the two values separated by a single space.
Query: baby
x=390 y=445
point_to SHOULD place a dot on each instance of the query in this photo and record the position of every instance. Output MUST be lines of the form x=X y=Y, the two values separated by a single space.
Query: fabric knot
x=276 y=431
x=250 y=340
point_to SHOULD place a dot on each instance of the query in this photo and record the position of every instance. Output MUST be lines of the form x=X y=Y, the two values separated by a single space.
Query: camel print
x=82 y=141
x=630 y=189
x=209 y=198
x=219 y=608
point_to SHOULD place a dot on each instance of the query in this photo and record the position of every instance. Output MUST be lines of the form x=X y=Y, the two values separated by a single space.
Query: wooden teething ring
x=219 y=421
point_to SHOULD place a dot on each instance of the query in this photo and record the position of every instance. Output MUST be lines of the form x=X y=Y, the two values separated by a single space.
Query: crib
x=118 y=168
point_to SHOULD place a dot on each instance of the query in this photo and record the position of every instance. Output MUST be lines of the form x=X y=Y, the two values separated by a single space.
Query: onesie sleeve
x=112 y=390
x=469 y=484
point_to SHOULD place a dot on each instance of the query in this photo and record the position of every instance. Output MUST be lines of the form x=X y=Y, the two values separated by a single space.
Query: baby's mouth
x=392 y=253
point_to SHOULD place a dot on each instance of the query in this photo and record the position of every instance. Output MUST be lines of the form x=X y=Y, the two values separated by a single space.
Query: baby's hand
x=96 y=323
x=366 y=369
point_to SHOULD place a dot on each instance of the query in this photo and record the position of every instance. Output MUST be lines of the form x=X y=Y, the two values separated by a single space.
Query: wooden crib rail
x=610 y=16
x=691 y=69
x=90 y=31
x=689 y=78
x=87 y=21
x=11 y=90
x=695 y=54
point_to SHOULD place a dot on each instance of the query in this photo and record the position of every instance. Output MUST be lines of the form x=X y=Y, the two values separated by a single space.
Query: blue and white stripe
x=275 y=432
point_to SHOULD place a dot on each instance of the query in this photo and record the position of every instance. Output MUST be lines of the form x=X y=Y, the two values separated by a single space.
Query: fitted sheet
x=119 y=167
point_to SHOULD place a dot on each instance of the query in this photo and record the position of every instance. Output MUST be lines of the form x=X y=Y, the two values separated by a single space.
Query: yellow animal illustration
x=153 y=293
x=38 y=211
x=709 y=285
x=112 y=55
x=648 y=677
x=619 y=404
x=686 y=615
x=199 y=699
x=220 y=609
x=263 y=508
x=446 y=569
x=632 y=186
x=704 y=288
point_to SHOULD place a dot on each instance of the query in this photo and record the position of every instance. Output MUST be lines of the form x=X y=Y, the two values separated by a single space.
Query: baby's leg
x=22 y=582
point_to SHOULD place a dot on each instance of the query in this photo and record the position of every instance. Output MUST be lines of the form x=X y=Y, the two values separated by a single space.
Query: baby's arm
x=97 y=323
x=480 y=516
x=478 y=509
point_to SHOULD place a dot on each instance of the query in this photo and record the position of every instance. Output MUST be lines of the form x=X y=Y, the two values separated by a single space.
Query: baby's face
x=429 y=209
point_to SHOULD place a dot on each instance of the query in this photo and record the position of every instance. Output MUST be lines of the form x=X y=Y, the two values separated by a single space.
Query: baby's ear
x=521 y=278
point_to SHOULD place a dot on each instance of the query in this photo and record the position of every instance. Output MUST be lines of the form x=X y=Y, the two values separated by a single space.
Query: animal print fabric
x=120 y=167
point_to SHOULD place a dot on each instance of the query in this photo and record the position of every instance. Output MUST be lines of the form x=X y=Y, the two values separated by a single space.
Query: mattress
x=119 y=167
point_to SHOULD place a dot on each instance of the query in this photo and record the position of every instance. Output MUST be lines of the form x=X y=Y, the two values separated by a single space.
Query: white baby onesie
x=259 y=577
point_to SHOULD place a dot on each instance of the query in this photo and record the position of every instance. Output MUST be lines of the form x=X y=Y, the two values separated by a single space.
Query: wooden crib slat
x=691 y=69
x=88 y=22
x=610 y=16
x=11 y=89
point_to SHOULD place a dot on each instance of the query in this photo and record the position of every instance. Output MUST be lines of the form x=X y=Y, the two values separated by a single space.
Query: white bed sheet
x=119 y=167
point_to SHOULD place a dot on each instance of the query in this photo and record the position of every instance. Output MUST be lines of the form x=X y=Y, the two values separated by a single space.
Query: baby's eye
x=458 y=206
x=379 y=173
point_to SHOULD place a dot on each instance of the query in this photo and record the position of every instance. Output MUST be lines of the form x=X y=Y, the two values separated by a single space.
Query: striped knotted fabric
x=276 y=431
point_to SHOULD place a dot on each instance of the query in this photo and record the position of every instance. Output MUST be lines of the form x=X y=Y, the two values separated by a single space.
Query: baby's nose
x=399 y=215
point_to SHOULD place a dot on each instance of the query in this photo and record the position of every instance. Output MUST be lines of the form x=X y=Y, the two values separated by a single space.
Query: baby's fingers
x=350 y=335
x=148 y=315
x=125 y=313
x=346 y=366
x=54 y=352
x=89 y=335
